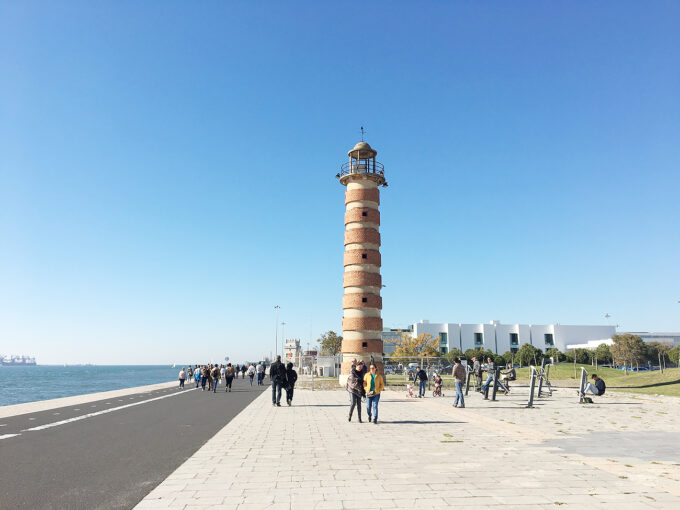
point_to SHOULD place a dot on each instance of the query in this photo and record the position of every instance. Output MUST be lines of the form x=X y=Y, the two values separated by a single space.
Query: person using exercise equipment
x=596 y=389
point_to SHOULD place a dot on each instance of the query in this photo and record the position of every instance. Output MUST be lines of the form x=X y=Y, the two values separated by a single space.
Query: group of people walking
x=282 y=377
x=364 y=383
x=211 y=375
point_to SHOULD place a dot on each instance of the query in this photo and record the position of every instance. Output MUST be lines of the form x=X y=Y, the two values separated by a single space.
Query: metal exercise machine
x=582 y=399
x=543 y=379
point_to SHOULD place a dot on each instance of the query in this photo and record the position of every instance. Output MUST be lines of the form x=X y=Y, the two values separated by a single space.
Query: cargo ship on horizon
x=17 y=361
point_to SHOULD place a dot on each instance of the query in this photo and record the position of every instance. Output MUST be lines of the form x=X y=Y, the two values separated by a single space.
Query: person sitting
x=438 y=384
x=596 y=389
x=508 y=375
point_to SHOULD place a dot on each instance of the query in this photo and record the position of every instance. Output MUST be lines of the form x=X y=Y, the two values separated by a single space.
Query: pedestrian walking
x=243 y=371
x=197 y=375
x=421 y=379
x=277 y=372
x=260 y=374
x=459 y=380
x=251 y=373
x=373 y=385
x=355 y=387
x=204 y=377
x=291 y=378
x=215 y=377
x=182 y=378
x=228 y=377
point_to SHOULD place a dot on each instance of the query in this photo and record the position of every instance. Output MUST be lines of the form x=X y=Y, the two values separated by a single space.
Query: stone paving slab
x=426 y=454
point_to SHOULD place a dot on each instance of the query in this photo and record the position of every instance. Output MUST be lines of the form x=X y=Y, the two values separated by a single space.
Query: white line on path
x=6 y=436
x=90 y=415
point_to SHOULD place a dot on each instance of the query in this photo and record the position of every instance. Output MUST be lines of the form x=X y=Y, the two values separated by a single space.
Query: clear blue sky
x=167 y=168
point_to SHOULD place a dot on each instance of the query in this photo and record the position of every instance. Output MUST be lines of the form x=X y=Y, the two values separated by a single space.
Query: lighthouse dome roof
x=363 y=150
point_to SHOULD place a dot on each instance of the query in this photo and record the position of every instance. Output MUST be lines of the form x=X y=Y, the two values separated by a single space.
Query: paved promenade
x=620 y=453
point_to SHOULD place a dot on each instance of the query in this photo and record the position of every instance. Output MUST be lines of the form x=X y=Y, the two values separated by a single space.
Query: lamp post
x=276 y=327
x=283 y=337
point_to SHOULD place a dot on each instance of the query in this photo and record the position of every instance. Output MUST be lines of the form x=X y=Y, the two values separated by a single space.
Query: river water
x=44 y=382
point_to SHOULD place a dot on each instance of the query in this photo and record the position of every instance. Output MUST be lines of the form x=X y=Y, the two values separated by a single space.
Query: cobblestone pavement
x=620 y=452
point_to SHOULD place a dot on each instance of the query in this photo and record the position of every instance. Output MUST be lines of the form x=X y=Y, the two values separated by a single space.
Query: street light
x=283 y=337
x=276 y=327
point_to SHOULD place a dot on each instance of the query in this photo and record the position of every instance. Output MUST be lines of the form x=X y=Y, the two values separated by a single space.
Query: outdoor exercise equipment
x=531 y=387
x=582 y=399
x=496 y=385
x=543 y=379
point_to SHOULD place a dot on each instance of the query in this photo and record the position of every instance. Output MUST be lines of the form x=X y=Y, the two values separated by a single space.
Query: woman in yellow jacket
x=373 y=384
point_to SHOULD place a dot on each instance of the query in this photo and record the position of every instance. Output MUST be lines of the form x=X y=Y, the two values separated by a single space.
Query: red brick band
x=362 y=324
x=370 y=194
x=362 y=257
x=358 y=346
x=362 y=235
x=357 y=301
x=361 y=279
x=358 y=214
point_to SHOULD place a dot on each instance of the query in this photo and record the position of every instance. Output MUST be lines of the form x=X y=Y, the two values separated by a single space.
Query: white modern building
x=500 y=338
x=664 y=338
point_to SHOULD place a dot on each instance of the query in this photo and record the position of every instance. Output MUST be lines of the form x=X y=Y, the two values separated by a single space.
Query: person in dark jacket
x=291 y=377
x=355 y=387
x=277 y=372
x=421 y=378
x=598 y=388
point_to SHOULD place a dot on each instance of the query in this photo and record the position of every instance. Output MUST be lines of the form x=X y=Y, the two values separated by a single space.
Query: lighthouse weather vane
x=362 y=133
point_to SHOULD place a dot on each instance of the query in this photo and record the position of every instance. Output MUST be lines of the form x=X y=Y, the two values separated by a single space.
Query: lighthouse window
x=363 y=255
x=364 y=213
x=364 y=300
x=364 y=344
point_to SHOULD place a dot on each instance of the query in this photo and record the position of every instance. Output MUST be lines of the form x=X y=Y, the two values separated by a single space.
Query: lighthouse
x=362 y=176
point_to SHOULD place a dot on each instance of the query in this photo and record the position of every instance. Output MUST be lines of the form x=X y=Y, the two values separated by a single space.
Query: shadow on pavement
x=420 y=422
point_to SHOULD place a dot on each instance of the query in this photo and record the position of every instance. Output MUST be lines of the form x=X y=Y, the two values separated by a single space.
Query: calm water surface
x=44 y=382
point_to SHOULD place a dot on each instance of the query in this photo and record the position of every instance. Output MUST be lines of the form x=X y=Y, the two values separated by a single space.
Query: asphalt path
x=111 y=453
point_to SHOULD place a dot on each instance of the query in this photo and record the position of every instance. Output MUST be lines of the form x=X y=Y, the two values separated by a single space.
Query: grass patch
x=451 y=441
x=649 y=383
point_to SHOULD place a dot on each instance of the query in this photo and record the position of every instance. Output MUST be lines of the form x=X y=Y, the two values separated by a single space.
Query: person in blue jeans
x=421 y=377
x=490 y=371
x=373 y=385
x=459 y=379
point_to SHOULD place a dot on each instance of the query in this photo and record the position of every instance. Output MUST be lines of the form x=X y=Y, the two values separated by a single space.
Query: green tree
x=415 y=347
x=628 y=349
x=657 y=352
x=528 y=355
x=455 y=352
x=330 y=343
x=509 y=357
x=578 y=356
x=603 y=354
x=555 y=354
x=674 y=354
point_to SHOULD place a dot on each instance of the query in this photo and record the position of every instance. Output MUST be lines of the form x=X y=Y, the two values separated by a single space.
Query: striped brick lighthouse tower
x=361 y=302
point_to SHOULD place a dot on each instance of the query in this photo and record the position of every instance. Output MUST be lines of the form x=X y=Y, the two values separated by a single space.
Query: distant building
x=500 y=338
x=664 y=338
x=391 y=337
x=291 y=350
